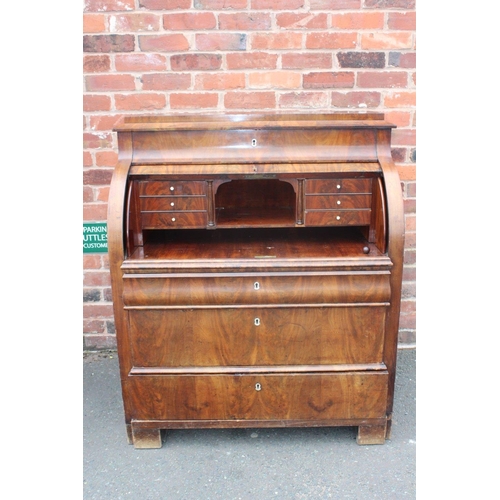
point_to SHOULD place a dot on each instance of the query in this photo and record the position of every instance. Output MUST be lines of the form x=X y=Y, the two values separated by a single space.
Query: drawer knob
x=256 y=285
x=338 y=186
x=338 y=217
x=366 y=250
x=258 y=387
x=173 y=219
x=256 y=321
x=338 y=202
x=172 y=204
x=171 y=188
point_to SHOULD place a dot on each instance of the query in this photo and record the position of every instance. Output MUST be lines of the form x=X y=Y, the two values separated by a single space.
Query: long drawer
x=261 y=396
x=256 y=336
x=229 y=289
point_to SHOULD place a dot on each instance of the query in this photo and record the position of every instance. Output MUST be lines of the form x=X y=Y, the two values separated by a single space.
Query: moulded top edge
x=252 y=121
x=371 y=264
x=256 y=169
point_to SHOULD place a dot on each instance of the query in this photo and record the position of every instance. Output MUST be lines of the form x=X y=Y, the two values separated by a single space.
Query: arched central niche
x=255 y=202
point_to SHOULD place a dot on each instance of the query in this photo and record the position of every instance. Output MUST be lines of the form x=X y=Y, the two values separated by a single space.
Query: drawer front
x=338 y=218
x=256 y=289
x=339 y=202
x=253 y=336
x=338 y=186
x=171 y=188
x=173 y=203
x=173 y=220
x=271 y=397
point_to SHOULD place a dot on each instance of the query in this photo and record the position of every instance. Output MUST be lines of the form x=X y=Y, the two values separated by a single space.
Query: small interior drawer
x=338 y=218
x=173 y=204
x=171 y=188
x=338 y=186
x=173 y=220
x=338 y=201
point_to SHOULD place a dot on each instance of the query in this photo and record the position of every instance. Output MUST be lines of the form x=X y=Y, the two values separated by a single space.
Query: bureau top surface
x=252 y=121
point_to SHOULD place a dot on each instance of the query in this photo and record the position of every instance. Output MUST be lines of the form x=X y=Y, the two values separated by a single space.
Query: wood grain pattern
x=162 y=220
x=288 y=169
x=338 y=186
x=230 y=397
x=256 y=288
x=340 y=247
x=338 y=217
x=172 y=188
x=235 y=146
x=252 y=120
x=338 y=202
x=231 y=337
x=173 y=203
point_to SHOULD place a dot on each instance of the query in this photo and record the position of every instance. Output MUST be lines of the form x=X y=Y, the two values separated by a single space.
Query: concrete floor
x=246 y=464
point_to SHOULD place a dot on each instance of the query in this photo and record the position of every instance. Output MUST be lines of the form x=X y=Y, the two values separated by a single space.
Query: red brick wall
x=186 y=56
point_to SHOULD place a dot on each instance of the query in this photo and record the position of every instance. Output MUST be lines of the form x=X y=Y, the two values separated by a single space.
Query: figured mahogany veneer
x=256 y=266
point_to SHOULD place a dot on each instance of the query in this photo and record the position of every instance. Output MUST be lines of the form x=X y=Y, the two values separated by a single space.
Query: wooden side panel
x=133 y=226
x=395 y=250
x=230 y=397
x=378 y=226
x=245 y=337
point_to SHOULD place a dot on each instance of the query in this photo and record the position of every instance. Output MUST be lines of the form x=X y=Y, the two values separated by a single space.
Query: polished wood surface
x=226 y=289
x=233 y=336
x=256 y=265
x=278 y=397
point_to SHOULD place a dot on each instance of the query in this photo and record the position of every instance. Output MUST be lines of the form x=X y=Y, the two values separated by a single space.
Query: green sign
x=95 y=237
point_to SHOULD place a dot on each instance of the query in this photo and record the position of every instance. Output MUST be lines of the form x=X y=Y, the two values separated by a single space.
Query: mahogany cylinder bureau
x=256 y=266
